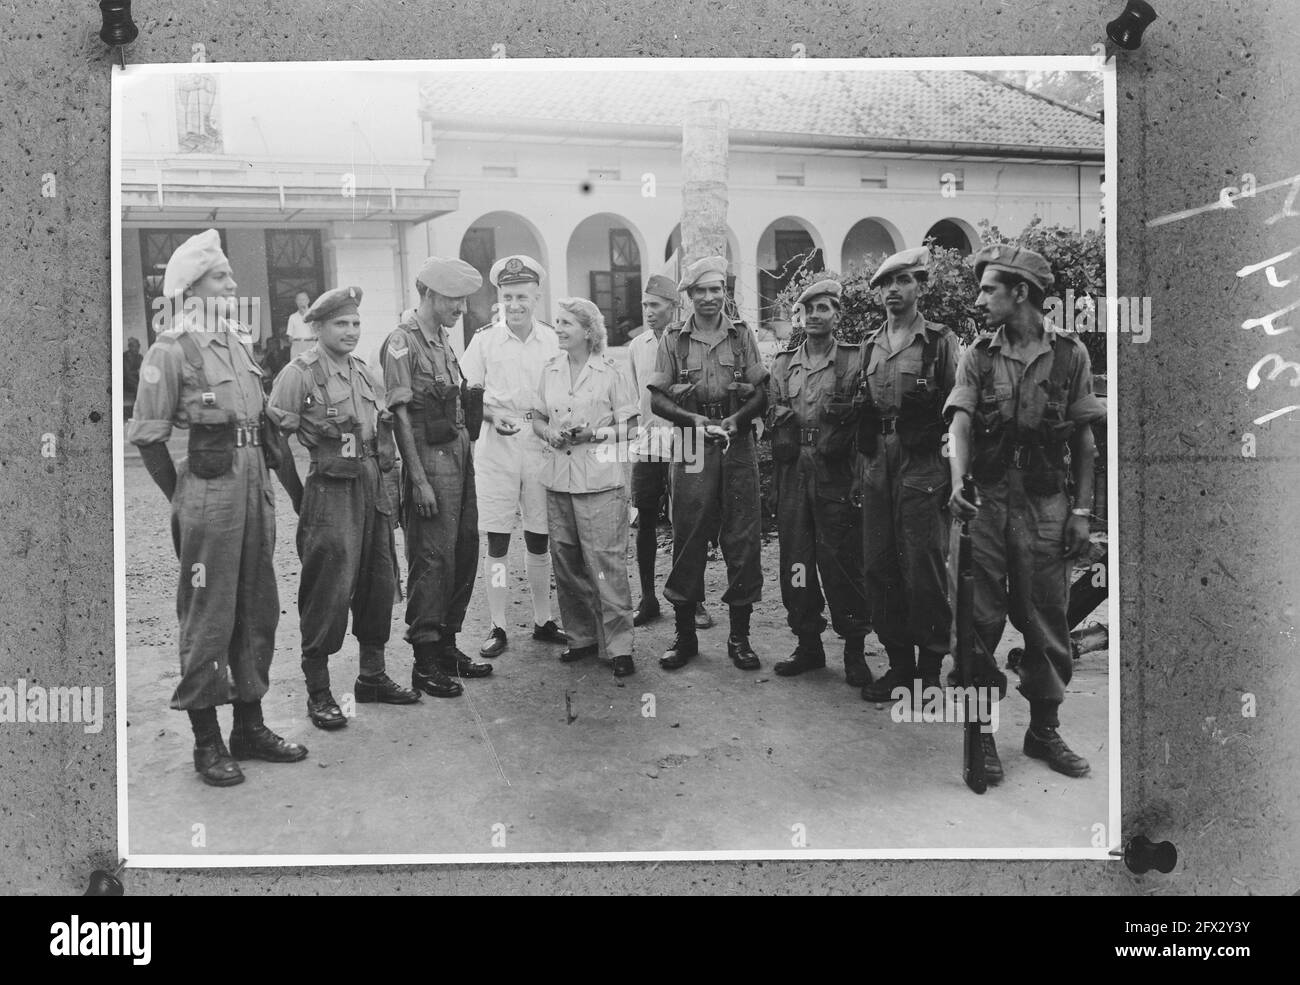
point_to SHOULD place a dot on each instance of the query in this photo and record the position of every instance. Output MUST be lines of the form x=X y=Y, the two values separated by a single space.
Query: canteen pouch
x=473 y=397
x=440 y=403
x=386 y=441
x=683 y=395
x=212 y=442
x=270 y=438
x=785 y=435
x=339 y=457
x=837 y=434
x=920 y=423
x=1045 y=472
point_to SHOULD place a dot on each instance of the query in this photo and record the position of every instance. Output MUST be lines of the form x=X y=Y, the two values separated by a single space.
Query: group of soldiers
x=870 y=441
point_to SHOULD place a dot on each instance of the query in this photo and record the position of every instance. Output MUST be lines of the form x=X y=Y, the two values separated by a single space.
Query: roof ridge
x=990 y=77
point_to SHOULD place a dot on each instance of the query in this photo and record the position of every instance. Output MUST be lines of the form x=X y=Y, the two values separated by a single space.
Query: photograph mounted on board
x=608 y=459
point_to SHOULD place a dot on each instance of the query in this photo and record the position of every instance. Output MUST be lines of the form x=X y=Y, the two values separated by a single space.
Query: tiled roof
x=940 y=107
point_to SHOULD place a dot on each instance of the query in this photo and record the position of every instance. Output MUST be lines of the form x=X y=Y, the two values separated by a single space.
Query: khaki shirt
x=169 y=390
x=351 y=397
x=1013 y=385
x=806 y=384
x=710 y=359
x=414 y=357
x=891 y=374
x=600 y=397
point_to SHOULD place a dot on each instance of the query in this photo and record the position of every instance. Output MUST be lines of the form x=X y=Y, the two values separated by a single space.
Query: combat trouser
x=223 y=530
x=821 y=546
x=588 y=535
x=717 y=488
x=345 y=543
x=441 y=551
x=1016 y=544
x=905 y=535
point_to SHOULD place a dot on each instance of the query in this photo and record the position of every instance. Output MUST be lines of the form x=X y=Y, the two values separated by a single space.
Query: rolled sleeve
x=161 y=377
x=965 y=390
x=1085 y=406
x=397 y=371
x=665 y=370
x=284 y=406
x=755 y=370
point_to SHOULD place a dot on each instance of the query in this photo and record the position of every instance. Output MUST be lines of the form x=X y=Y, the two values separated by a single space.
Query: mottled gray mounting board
x=1209 y=575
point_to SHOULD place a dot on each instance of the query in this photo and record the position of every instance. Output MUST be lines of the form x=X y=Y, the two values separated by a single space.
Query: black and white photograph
x=616 y=459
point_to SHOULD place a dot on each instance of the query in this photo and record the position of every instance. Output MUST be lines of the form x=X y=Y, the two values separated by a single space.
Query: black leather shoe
x=1046 y=744
x=260 y=742
x=434 y=682
x=702 y=618
x=213 y=762
x=548 y=632
x=882 y=690
x=856 y=671
x=679 y=652
x=623 y=666
x=576 y=653
x=743 y=655
x=495 y=644
x=455 y=662
x=383 y=689
x=992 y=764
x=647 y=611
x=804 y=658
x=324 y=711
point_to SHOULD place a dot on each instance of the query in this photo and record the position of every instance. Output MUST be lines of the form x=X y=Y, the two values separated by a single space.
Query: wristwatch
x=1080 y=511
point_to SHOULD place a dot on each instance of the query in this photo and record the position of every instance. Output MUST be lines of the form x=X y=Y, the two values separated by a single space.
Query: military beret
x=331 y=304
x=917 y=258
x=191 y=260
x=449 y=277
x=832 y=287
x=518 y=269
x=660 y=286
x=1032 y=266
x=704 y=271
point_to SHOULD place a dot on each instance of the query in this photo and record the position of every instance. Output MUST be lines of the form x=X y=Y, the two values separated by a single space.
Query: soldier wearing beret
x=427 y=393
x=506 y=358
x=1023 y=394
x=813 y=419
x=328 y=397
x=200 y=375
x=709 y=379
x=909 y=365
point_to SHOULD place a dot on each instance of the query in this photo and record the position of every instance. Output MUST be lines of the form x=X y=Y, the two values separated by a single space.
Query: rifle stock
x=972 y=747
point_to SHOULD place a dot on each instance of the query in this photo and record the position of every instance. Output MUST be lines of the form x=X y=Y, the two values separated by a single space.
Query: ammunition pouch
x=990 y=444
x=1045 y=473
x=386 y=441
x=683 y=395
x=920 y=423
x=269 y=435
x=837 y=434
x=868 y=429
x=785 y=435
x=473 y=399
x=738 y=394
x=714 y=410
x=212 y=442
x=339 y=456
x=441 y=403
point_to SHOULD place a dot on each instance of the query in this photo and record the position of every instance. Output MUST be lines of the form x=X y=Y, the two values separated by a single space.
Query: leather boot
x=738 y=648
x=685 y=644
x=808 y=655
x=856 y=672
x=426 y=677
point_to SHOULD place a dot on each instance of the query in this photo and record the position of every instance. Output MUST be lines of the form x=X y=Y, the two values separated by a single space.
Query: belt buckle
x=887 y=425
x=1018 y=456
x=240 y=436
x=254 y=437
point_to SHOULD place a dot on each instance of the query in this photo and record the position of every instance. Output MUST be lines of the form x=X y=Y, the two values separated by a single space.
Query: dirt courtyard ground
x=544 y=757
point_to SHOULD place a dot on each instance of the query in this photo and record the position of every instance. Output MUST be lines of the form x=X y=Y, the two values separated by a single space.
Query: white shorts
x=508 y=478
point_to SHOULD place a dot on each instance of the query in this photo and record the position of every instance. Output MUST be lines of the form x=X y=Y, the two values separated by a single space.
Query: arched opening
x=788 y=247
x=604 y=262
x=953 y=234
x=868 y=238
x=490 y=237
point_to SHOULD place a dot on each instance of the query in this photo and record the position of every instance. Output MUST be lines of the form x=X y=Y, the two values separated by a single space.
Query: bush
x=1078 y=263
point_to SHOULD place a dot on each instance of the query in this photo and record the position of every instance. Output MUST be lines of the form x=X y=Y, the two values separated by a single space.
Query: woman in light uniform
x=585 y=406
